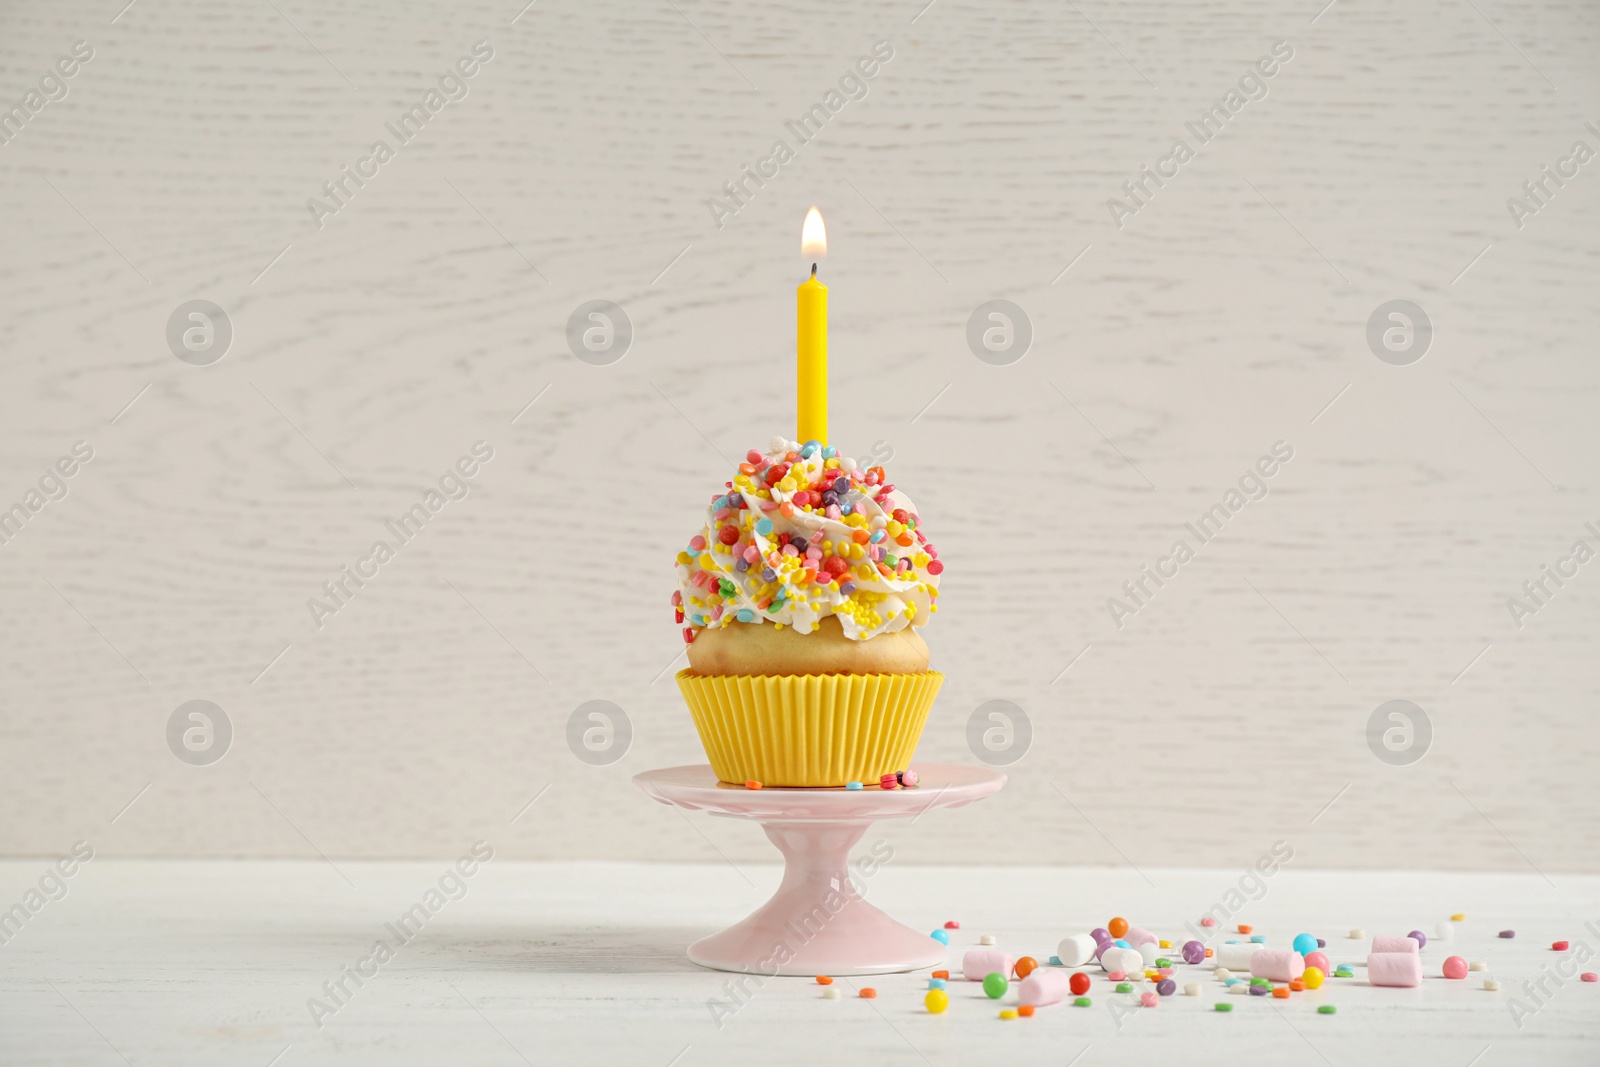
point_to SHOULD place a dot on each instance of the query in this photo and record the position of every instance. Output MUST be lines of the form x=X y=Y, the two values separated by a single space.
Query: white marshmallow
x=1149 y=952
x=1075 y=950
x=1126 y=960
x=1236 y=956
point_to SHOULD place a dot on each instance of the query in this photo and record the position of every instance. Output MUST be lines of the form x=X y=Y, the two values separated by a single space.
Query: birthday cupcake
x=801 y=597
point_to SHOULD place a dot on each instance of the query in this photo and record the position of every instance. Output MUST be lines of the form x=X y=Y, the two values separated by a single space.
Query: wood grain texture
x=576 y=962
x=425 y=315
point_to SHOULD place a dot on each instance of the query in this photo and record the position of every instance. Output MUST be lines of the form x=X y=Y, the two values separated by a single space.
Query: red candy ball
x=728 y=535
x=1080 y=984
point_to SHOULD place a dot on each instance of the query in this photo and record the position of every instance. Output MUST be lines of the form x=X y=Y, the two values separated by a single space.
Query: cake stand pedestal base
x=818 y=922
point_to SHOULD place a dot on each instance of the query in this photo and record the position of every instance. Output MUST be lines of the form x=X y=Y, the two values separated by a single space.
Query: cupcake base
x=809 y=729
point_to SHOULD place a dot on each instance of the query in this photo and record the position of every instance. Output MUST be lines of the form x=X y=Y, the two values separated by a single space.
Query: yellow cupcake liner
x=809 y=729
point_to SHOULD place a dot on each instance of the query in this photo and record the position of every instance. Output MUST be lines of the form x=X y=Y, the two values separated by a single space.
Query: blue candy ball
x=941 y=936
x=1305 y=944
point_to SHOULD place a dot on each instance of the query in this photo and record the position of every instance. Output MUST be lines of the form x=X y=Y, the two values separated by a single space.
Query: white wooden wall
x=369 y=354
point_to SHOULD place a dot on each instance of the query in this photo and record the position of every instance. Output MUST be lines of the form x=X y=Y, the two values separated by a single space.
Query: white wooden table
x=191 y=963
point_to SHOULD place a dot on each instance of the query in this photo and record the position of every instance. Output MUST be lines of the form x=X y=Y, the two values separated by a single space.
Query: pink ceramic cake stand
x=817 y=916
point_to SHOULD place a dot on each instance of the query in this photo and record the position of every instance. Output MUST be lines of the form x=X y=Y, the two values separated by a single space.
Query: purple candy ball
x=1321 y=943
x=1422 y=938
x=1193 y=952
x=1166 y=987
x=1100 y=934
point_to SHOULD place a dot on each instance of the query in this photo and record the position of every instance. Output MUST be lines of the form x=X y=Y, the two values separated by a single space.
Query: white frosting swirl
x=768 y=539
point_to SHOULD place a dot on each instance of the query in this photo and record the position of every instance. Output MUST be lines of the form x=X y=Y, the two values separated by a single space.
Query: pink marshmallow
x=1277 y=964
x=1138 y=935
x=1045 y=985
x=979 y=963
x=1396 y=944
x=1395 y=968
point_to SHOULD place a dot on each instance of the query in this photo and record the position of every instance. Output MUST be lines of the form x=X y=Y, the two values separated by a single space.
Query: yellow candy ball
x=1312 y=978
x=937 y=1000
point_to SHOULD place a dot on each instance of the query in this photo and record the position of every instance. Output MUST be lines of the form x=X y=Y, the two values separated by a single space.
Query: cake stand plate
x=817 y=922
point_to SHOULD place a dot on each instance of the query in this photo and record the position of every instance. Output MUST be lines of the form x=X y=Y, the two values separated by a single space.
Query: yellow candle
x=811 y=339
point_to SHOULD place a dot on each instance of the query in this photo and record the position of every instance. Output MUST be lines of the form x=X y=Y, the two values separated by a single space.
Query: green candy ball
x=995 y=985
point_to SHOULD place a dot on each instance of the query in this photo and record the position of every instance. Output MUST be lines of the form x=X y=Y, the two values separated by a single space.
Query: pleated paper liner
x=809 y=729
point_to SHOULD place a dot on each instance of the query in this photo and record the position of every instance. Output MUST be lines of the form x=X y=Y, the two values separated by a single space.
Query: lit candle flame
x=813 y=236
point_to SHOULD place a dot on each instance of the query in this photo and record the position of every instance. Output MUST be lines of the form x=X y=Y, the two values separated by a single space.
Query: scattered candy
x=1321 y=943
x=1166 y=987
x=1305 y=944
x=868 y=993
x=1223 y=1005
x=1558 y=946
x=1008 y=1013
x=1281 y=992
x=1444 y=931
x=1298 y=985
x=752 y=784
x=1458 y=918
x=1055 y=961
x=995 y=985
x=1208 y=921
x=1327 y=1009
x=1491 y=985
x=986 y=939
x=1079 y=983
x=889 y=781
x=1164 y=944
x=1260 y=982
x=1193 y=952
x=1508 y=933
x=852 y=785
x=940 y=936
x=1477 y=965
x=1117 y=927
x=1421 y=938
x=1312 y=978
x=1357 y=934
x=936 y=983
x=1191 y=989
x=831 y=993
x=1258 y=939
x=1082 y=1002
x=1455 y=967
x=1318 y=960
x=823 y=979
x=1163 y=963
x=1244 y=929
x=909 y=778
x=1344 y=971
x=1259 y=991
x=952 y=925
x=1116 y=976
x=1124 y=987
x=941 y=974
x=1025 y=966
x=936 y=1001
x=1589 y=976
x=1223 y=974
x=1149 y=1000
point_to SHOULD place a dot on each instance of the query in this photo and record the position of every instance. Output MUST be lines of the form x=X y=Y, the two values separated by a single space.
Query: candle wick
x=813 y=270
